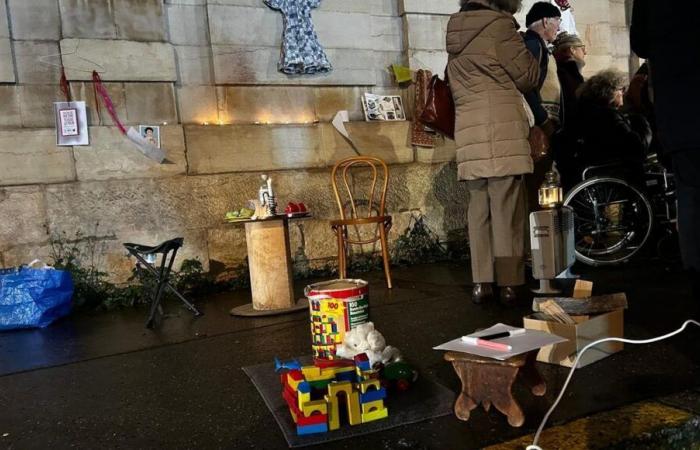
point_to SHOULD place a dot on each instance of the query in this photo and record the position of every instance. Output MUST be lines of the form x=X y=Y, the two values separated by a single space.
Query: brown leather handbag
x=439 y=110
x=539 y=143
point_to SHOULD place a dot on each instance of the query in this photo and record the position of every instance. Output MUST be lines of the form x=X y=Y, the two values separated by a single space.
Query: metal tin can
x=335 y=308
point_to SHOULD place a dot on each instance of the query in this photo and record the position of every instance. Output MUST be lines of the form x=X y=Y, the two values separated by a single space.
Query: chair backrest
x=349 y=174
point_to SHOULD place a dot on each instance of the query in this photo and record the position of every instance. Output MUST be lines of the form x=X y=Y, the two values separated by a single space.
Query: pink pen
x=486 y=344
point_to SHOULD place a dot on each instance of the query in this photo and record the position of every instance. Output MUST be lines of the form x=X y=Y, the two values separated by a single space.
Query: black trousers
x=686 y=168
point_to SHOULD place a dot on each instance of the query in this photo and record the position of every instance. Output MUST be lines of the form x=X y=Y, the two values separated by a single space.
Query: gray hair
x=600 y=88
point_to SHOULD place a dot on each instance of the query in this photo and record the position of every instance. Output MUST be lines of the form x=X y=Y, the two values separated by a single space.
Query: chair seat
x=361 y=221
x=163 y=247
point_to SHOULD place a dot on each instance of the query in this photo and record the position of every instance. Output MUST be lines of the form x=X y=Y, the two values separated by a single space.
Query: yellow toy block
x=340 y=386
x=370 y=406
x=363 y=385
x=294 y=384
x=315 y=406
x=375 y=415
x=354 y=414
x=333 y=412
x=303 y=398
x=311 y=373
x=344 y=369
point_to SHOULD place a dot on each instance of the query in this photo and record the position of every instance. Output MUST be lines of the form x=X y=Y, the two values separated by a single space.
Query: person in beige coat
x=488 y=69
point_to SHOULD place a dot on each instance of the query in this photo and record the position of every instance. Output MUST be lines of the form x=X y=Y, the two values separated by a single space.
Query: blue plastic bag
x=32 y=298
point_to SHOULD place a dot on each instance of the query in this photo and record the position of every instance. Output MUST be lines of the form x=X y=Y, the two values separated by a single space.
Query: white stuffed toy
x=365 y=339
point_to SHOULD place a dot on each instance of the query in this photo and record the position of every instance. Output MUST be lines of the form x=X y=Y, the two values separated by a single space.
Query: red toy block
x=313 y=419
x=324 y=363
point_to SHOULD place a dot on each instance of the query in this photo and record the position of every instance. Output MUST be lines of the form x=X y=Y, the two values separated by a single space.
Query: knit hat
x=539 y=11
x=565 y=41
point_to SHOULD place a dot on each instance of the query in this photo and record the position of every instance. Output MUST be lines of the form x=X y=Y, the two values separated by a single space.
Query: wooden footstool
x=489 y=381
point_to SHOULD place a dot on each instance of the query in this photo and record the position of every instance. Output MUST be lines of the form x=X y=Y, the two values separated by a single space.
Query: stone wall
x=206 y=72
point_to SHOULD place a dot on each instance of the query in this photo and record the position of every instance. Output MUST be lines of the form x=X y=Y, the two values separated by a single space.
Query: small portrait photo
x=151 y=133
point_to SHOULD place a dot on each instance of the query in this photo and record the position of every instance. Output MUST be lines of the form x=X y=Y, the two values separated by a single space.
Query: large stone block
x=385 y=7
x=445 y=7
x=86 y=92
x=140 y=20
x=32 y=157
x=93 y=19
x=7 y=65
x=10 y=115
x=618 y=14
x=332 y=29
x=236 y=148
x=271 y=104
x=385 y=140
x=4 y=28
x=598 y=39
x=36 y=105
x=384 y=75
x=330 y=100
x=356 y=6
x=186 y=2
x=25 y=216
x=226 y=246
x=188 y=25
x=197 y=104
x=258 y=65
x=621 y=41
x=596 y=63
x=425 y=32
x=25 y=253
x=244 y=26
x=28 y=23
x=111 y=156
x=30 y=70
x=591 y=11
x=194 y=65
x=387 y=33
x=150 y=103
x=435 y=61
x=120 y=60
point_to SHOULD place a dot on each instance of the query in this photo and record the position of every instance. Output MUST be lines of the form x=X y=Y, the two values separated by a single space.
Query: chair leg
x=157 y=294
x=385 y=255
x=342 y=268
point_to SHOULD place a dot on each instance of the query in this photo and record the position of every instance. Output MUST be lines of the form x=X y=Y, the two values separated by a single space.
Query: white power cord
x=534 y=445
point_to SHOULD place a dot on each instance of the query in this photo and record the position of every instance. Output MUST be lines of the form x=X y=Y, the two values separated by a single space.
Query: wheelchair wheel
x=612 y=220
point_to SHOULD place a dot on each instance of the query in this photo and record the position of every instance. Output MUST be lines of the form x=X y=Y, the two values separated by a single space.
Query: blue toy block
x=373 y=395
x=346 y=376
x=363 y=365
x=292 y=364
x=311 y=429
x=304 y=387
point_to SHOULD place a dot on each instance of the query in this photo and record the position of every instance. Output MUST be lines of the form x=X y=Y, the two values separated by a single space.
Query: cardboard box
x=587 y=330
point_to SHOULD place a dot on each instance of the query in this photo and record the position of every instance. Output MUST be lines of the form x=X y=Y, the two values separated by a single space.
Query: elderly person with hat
x=570 y=54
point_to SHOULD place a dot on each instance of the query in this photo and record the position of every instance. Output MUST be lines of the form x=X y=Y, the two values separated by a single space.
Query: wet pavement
x=102 y=380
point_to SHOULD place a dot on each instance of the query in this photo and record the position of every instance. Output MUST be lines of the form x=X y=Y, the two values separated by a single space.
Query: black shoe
x=508 y=296
x=481 y=293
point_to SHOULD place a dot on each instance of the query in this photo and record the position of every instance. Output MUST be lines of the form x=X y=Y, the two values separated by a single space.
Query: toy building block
x=303 y=394
x=312 y=429
x=354 y=413
x=333 y=412
x=294 y=377
x=323 y=363
x=292 y=404
x=362 y=361
x=311 y=407
x=321 y=385
x=364 y=375
x=313 y=419
x=346 y=376
x=372 y=406
x=373 y=395
x=311 y=373
x=375 y=415
x=369 y=385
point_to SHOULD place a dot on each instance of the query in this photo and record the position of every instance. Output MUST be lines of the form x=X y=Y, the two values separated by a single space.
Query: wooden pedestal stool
x=489 y=382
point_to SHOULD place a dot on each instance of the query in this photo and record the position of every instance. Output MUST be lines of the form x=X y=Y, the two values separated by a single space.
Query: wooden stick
x=585 y=306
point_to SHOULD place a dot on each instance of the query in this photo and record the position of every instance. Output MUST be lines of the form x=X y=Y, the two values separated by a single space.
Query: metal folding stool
x=168 y=250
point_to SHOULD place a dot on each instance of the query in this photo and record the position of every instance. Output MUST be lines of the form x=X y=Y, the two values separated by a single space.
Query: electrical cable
x=534 y=445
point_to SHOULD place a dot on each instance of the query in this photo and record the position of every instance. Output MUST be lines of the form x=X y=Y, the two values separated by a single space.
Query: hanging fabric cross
x=301 y=51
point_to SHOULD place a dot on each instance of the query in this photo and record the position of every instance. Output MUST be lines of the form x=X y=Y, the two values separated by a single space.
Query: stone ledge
x=32 y=157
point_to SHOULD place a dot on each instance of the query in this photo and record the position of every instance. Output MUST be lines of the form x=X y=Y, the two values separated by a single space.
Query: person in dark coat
x=570 y=54
x=671 y=49
x=601 y=133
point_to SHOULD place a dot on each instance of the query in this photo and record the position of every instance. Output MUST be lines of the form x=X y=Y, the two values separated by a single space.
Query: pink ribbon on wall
x=109 y=105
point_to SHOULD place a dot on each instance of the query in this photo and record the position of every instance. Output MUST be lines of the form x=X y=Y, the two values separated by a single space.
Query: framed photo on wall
x=151 y=133
x=383 y=107
x=71 y=124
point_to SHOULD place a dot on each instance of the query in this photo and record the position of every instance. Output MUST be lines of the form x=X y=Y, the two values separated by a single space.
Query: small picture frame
x=68 y=122
x=383 y=107
x=71 y=123
x=151 y=133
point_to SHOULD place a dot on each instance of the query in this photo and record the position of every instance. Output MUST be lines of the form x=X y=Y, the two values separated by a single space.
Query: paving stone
x=111 y=156
x=188 y=25
x=139 y=20
x=36 y=105
x=26 y=206
x=273 y=104
x=32 y=157
x=29 y=69
x=150 y=103
x=194 y=65
x=85 y=92
x=120 y=60
x=28 y=25
x=197 y=104
x=93 y=19
x=10 y=115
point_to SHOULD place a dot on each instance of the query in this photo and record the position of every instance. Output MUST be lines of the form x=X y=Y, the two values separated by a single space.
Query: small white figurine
x=365 y=339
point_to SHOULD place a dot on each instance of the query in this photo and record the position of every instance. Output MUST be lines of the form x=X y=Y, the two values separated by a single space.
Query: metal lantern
x=550 y=193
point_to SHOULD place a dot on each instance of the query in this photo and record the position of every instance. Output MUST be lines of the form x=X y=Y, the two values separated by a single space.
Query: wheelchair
x=615 y=214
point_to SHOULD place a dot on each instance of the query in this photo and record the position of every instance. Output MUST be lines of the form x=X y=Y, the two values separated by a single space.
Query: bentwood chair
x=360 y=184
